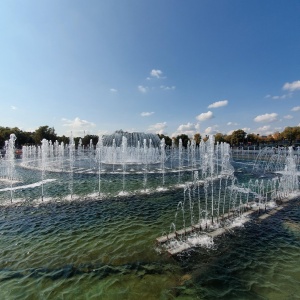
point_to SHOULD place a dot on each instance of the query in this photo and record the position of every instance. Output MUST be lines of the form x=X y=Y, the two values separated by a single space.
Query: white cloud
x=156 y=73
x=246 y=129
x=218 y=104
x=189 y=133
x=293 y=86
x=266 y=118
x=113 y=90
x=188 y=129
x=275 y=97
x=13 y=107
x=158 y=128
x=288 y=117
x=208 y=130
x=187 y=126
x=166 y=88
x=232 y=123
x=282 y=96
x=78 y=126
x=211 y=130
x=265 y=130
x=147 y=114
x=296 y=108
x=143 y=89
x=205 y=116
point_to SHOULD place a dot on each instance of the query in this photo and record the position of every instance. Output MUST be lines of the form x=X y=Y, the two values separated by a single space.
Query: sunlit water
x=104 y=248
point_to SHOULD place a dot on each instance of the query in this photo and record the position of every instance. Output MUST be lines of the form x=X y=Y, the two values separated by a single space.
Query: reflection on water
x=105 y=249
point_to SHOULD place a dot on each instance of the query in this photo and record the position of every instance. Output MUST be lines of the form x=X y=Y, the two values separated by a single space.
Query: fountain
x=76 y=219
x=140 y=160
x=139 y=166
x=138 y=146
x=7 y=164
x=210 y=208
x=123 y=164
x=274 y=159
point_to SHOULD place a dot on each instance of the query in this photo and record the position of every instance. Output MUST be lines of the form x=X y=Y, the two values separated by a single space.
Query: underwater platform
x=251 y=208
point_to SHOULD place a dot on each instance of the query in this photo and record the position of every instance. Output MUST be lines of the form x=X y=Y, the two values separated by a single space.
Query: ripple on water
x=106 y=250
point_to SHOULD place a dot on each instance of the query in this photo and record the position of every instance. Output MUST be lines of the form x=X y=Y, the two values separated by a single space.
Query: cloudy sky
x=158 y=66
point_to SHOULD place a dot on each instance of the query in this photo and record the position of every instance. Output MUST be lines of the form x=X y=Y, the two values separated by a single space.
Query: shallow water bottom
x=106 y=250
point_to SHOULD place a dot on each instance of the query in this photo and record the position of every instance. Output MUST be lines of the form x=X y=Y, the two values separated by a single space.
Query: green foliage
x=44 y=132
x=87 y=138
x=85 y=141
x=238 y=137
x=4 y=135
x=184 y=139
x=252 y=139
x=220 y=138
x=168 y=140
x=63 y=139
x=24 y=138
x=197 y=138
x=289 y=136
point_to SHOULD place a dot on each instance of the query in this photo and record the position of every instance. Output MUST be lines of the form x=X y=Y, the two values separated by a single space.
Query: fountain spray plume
x=10 y=159
x=163 y=158
x=99 y=149
x=44 y=161
x=71 y=163
x=124 y=159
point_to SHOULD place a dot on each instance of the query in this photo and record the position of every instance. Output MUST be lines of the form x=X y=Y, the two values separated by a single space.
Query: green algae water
x=105 y=250
x=94 y=247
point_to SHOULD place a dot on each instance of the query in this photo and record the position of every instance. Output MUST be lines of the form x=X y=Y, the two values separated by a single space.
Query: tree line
x=289 y=136
x=36 y=137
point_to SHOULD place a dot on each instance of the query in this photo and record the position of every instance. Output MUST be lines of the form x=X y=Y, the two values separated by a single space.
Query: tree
x=291 y=134
x=277 y=136
x=269 y=139
x=87 y=138
x=220 y=138
x=44 y=132
x=4 y=135
x=76 y=141
x=228 y=139
x=184 y=138
x=197 y=138
x=252 y=138
x=168 y=140
x=238 y=137
x=63 y=139
x=23 y=138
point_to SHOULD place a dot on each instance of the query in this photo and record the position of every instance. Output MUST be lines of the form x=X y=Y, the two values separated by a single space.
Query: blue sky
x=159 y=66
